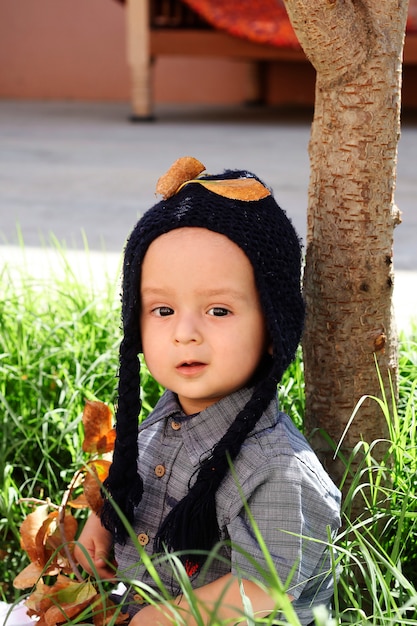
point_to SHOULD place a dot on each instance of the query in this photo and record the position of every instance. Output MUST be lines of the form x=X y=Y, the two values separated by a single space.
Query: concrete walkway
x=85 y=174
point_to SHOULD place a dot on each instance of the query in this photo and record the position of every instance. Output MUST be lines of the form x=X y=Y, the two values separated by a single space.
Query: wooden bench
x=153 y=31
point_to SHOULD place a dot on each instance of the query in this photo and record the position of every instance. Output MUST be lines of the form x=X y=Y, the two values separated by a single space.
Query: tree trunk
x=356 y=49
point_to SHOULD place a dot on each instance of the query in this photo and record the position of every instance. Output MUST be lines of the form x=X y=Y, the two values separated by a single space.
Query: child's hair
x=237 y=205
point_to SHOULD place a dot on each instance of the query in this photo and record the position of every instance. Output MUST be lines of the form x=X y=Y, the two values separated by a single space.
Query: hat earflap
x=124 y=485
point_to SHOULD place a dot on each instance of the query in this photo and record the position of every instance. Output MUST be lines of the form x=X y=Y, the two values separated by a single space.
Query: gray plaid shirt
x=290 y=496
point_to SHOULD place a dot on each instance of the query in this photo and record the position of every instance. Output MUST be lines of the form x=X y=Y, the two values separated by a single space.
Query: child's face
x=203 y=329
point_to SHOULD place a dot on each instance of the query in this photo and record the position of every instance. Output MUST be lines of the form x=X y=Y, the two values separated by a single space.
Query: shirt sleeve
x=291 y=509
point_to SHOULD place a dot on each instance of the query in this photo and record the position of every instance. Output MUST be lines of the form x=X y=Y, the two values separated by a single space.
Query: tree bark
x=356 y=49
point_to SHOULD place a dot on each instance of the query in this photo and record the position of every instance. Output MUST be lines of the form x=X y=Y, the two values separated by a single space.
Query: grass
x=59 y=345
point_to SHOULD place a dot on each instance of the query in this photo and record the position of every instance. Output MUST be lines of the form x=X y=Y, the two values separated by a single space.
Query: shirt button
x=159 y=471
x=175 y=425
x=143 y=539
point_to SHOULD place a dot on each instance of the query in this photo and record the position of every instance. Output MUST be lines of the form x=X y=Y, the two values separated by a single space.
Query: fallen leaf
x=65 y=599
x=62 y=612
x=95 y=475
x=29 y=530
x=28 y=577
x=55 y=536
x=99 y=436
x=80 y=502
x=49 y=542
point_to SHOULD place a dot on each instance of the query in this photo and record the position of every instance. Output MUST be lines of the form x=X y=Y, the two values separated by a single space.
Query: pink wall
x=75 y=49
x=62 y=49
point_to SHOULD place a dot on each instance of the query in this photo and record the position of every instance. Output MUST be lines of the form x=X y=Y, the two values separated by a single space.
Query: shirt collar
x=202 y=431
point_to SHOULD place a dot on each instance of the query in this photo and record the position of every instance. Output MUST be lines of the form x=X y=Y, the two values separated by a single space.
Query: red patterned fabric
x=412 y=16
x=261 y=21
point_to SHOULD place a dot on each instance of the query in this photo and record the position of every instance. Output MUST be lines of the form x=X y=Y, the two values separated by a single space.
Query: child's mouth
x=191 y=367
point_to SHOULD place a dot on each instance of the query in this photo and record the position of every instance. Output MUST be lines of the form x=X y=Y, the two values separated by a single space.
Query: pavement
x=79 y=175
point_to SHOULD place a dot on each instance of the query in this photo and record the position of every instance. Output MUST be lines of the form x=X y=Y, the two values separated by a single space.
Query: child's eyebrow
x=151 y=291
x=225 y=291
x=216 y=292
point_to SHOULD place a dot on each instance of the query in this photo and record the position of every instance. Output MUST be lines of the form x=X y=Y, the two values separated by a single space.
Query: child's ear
x=270 y=350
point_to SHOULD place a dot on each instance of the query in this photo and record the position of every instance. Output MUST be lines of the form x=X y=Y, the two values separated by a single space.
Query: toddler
x=211 y=296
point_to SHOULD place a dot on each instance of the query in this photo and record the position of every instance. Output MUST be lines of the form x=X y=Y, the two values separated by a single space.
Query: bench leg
x=257 y=95
x=138 y=56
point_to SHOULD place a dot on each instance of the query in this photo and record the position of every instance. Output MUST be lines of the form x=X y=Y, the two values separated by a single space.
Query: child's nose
x=187 y=329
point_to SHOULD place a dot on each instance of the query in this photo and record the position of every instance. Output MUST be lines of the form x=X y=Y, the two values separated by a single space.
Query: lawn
x=59 y=346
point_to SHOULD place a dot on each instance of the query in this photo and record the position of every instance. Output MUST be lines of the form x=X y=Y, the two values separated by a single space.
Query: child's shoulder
x=277 y=451
x=275 y=458
x=275 y=433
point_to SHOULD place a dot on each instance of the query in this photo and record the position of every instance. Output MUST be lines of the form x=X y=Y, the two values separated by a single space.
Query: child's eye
x=163 y=311
x=218 y=311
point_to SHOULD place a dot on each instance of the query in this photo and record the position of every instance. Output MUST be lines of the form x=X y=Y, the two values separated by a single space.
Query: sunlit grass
x=59 y=345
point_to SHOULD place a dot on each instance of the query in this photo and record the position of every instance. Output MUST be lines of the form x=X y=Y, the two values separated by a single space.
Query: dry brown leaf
x=39 y=601
x=93 y=479
x=41 y=537
x=28 y=577
x=95 y=476
x=184 y=169
x=99 y=436
x=66 y=598
x=49 y=539
x=60 y=614
x=80 y=502
x=54 y=537
x=29 y=531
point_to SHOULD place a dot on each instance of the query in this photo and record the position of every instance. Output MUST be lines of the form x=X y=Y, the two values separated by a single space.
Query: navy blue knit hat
x=238 y=205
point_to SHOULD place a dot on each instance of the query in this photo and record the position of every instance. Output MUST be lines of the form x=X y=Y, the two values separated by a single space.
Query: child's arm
x=226 y=589
x=97 y=541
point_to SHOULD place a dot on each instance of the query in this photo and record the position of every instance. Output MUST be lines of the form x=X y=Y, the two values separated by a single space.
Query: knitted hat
x=235 y=204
